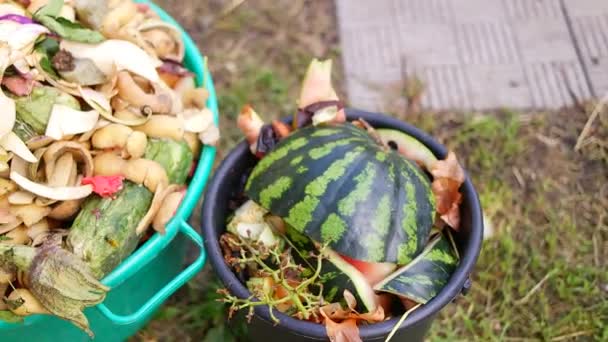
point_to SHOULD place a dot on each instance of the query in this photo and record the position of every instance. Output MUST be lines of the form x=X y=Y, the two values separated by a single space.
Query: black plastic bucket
x=225 y=184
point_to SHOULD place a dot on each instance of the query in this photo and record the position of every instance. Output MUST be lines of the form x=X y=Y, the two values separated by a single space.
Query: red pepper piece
x=104 y=186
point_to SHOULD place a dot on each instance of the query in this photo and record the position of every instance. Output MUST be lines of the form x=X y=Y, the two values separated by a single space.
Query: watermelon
x=425 y=276
x=374 y=272
x=408 y=146
x=335 y=184
x=338 y=275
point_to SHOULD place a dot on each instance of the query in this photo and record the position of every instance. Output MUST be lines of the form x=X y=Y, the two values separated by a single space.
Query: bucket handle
x=169 y=289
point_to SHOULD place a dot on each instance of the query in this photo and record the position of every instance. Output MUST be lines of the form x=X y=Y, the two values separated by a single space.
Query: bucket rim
x=428 y=311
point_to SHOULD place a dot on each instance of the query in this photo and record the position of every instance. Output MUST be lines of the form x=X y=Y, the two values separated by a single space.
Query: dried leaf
x=316 y=86
x=373 y=317
x=64 y=284
x=345 y=331
x=448 y=176
x=335 y=311
x=448 y=168
x=280 y=129
x=250 y=123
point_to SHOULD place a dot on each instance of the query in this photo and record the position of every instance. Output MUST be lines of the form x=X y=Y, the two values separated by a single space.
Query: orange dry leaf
x=448 y=176
x=373 y=317
x=341 y=323
x=335 y=311
x=448 y=168
x=250 y=123
x=281 y=129
x=345 y=331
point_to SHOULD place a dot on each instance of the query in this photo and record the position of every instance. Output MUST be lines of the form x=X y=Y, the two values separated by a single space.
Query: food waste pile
x=101 y=126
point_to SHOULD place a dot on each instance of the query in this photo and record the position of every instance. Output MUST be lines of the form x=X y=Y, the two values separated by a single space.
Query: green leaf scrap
x=47 y=46
x=52 y=8
x=45 y=64
x=70 y=30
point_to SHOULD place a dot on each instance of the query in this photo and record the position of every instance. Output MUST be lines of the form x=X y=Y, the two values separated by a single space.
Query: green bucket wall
x=143 y=282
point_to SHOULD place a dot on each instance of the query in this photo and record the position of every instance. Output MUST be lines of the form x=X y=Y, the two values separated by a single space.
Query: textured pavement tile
x=475 y=54
x=590 y=28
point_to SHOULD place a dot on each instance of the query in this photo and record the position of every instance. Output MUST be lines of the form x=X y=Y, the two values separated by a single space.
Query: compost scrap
x=100 y=126
x=340 y=223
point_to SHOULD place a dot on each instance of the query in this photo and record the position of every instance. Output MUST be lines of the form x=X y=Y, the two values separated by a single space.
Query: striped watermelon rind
x=425 y=276
x=338 y=275
x=336 y=185
x=408 y=146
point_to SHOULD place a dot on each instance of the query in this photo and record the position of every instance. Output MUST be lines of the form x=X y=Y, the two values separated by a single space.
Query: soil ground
x=542 y=273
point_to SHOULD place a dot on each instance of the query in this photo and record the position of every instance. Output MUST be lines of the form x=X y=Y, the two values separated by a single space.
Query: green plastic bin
x=154 y=272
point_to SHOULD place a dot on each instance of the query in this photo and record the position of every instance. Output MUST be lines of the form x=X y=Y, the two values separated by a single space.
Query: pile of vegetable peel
x=101 y=126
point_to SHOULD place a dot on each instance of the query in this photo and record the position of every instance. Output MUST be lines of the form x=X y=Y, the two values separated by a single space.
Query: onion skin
x=57 y=193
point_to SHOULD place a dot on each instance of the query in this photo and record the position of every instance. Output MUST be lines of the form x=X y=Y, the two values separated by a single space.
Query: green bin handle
x=168 y=290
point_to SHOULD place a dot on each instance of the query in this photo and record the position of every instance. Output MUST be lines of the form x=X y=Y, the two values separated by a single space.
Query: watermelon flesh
x=374 y=272
x=340 y=275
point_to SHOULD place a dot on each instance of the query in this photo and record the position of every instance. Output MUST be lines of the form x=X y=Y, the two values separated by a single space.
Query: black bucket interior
x=229 y=179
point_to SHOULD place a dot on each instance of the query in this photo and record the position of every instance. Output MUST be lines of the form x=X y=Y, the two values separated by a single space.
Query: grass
x=541 y=275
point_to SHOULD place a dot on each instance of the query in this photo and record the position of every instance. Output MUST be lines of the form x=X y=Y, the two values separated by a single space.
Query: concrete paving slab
x=475 y=54
x=589 y=21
